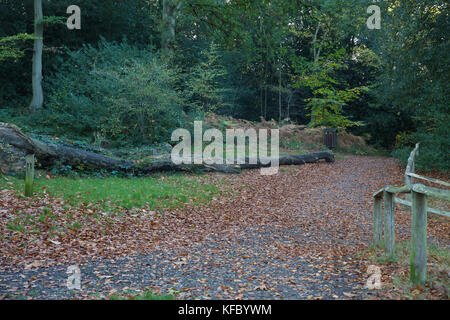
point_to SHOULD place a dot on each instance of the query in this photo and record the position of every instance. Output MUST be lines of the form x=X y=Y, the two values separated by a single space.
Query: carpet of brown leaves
x=317 y=212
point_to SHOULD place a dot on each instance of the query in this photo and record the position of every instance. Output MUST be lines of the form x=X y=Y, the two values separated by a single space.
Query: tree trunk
x=38 y=95
x=279 y=96
x=288 y=112
x=48 y=153
x=265 y=102
x=316 y=51
x=261 y=100
x=169 y=11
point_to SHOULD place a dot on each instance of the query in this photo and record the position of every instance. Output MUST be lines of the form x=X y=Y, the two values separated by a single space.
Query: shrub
x=433 y=150
x=204 y=83
x=125 y=93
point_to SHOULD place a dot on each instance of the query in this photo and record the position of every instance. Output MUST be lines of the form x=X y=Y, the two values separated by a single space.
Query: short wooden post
x=377 y=221
x=29 y=175
x=389 y=224
x=418 y=258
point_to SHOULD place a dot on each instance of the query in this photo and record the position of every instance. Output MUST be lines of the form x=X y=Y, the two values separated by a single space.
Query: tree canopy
x=312 y=62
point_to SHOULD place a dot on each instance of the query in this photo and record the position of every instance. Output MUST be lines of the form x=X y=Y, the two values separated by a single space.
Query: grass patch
x=157 y=192
x=147 y=295
x=360 y=150
x=298 y=147
x=437 y=285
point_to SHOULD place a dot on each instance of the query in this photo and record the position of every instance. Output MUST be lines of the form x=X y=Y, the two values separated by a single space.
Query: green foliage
x=136 y=20
x=414 y=88
x=204 y=88
x=12 y=47
x=329 y=95
x=248 y=59
x=49 y=20
x=125 y=93
x=433 y=150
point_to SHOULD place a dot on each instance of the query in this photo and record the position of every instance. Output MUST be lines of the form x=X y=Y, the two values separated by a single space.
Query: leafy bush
x=328 y=98
x=433 y=150
x=124 y=93
x=204 y=88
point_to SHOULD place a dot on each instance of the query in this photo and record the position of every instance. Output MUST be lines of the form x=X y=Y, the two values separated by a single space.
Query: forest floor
x=301 y=234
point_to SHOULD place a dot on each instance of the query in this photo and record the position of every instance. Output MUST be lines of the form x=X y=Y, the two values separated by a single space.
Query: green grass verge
x=438 y=269
x=159 y=191
x=298 y=147
x=147 y=295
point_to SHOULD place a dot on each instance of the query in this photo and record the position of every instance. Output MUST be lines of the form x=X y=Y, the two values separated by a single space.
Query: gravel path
x=295 y=235
x=218 y=269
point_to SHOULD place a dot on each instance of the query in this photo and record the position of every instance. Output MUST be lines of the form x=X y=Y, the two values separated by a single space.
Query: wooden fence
x=418 y=194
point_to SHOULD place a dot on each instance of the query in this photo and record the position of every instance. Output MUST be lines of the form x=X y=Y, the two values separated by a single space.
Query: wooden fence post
x=418 y=259
x=410 y=168
x=377 y=221
x=389 y=224
x=29 y=175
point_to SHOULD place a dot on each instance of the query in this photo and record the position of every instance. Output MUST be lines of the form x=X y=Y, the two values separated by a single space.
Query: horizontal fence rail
x=430 y=210
x=413 y=175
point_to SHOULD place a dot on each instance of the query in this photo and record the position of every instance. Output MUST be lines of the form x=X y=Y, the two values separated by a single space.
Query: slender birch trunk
x=38 y=94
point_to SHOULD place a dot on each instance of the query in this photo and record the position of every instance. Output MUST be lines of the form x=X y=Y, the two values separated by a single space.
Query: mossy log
x=47 y=153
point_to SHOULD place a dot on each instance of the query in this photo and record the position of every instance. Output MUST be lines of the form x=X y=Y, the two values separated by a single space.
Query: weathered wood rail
x=419 y=208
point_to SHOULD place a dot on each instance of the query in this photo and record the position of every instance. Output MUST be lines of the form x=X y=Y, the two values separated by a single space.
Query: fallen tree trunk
x=14 y=145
